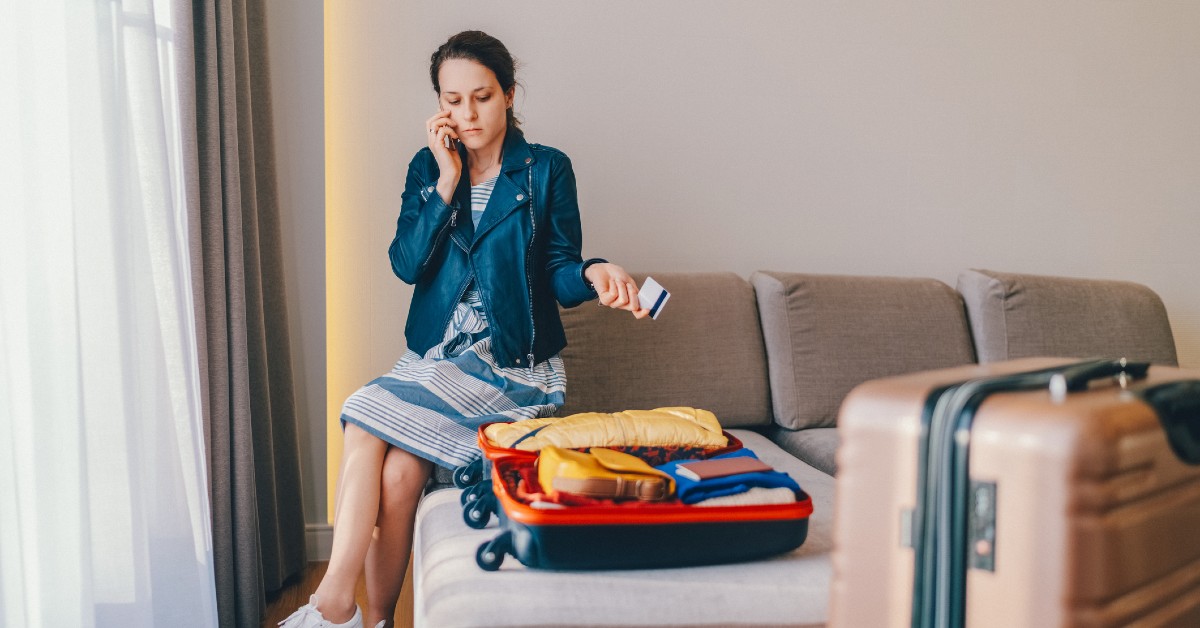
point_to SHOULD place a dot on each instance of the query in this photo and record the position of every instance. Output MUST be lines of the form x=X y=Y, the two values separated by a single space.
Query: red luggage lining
x=672 y=512
x=634 y=535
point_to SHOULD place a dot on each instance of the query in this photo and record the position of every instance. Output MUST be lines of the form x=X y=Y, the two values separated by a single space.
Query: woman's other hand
x=438 y=128
x=616 y=288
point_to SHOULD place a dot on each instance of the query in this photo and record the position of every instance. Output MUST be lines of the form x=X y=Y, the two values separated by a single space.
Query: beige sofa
x=773 y=357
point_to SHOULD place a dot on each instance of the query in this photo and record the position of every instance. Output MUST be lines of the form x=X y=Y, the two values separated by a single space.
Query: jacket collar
x=508 y=194
x=515 y=153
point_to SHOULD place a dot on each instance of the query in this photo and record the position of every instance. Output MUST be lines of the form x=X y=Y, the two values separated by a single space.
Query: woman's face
x=477 y=106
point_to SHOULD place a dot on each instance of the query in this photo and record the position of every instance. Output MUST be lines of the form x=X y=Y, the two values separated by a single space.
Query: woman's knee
x=358 y=442
x=404 y=474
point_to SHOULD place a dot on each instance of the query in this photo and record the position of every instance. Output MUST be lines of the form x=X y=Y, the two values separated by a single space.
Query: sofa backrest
x=825 y=334
x=705 y=350
x=1016 y=315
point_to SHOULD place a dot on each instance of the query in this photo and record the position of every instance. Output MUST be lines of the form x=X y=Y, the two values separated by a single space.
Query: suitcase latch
x=982 y=537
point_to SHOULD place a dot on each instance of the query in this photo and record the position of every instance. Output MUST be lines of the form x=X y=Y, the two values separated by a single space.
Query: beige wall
x=295 y=33
x=860 y=138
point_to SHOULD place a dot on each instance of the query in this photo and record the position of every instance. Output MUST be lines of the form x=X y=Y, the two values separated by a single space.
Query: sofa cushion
x=705 y=350
x=440 y=478
x=1016 y=316
x=816 y=446
x=825 y=334
x=451 y=591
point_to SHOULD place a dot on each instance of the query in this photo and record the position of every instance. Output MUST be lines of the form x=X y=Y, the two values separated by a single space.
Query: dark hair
x=481 y=48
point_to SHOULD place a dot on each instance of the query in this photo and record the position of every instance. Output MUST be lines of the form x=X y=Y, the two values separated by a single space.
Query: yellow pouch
x=601 y=473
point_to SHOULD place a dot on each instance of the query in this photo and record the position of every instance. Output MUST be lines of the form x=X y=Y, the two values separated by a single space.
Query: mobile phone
x=450 y=142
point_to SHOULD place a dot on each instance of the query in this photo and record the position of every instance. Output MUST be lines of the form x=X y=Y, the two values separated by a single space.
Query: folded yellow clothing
x=661 y=427
x=601 y=473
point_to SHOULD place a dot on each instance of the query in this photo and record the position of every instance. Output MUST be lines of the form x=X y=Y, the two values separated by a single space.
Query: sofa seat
x=451 y=591
x=816 y=446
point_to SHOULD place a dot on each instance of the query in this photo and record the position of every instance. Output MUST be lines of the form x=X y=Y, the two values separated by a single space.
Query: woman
x=489 y=235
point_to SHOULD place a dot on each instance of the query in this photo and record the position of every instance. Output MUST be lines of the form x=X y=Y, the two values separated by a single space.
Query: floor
x=295 y=594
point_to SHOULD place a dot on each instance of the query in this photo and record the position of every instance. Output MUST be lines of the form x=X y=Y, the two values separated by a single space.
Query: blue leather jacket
x=524 y=255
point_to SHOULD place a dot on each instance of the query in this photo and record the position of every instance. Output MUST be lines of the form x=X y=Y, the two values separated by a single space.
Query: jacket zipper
x=528 y=265
x=461 y=291
x=438 y=240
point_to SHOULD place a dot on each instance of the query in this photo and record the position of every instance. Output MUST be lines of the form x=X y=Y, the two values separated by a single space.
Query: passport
x=721 y=467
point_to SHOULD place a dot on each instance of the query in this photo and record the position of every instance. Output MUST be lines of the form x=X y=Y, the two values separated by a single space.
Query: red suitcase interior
x=631 y=534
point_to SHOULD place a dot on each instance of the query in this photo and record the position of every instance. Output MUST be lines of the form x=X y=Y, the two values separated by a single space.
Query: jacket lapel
x=506 y=197
x=510 y=192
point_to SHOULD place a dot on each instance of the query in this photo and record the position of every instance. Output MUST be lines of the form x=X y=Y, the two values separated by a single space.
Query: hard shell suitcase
x=1036 y=492
x=634 y=535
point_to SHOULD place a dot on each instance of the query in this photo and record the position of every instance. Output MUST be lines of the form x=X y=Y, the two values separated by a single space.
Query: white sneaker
x=308 y=616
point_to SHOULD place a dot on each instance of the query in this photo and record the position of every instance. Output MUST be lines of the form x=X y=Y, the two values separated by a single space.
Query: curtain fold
x=104 y=511
x=242 y=331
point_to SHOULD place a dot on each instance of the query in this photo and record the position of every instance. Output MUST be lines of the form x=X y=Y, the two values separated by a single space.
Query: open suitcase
x=634 y=535
x=1036 y=492
x=479 y=500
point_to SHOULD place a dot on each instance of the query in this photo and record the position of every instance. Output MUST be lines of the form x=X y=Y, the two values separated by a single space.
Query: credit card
x=652 y=297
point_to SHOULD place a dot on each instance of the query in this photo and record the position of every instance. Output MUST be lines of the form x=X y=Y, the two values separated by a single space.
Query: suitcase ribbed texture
x=1096 y=518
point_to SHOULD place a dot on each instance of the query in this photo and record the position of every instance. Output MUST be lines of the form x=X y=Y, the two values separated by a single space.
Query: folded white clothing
x=756 y=496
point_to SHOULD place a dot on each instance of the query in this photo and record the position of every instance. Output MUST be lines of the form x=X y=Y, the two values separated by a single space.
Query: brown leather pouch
x=601 y=473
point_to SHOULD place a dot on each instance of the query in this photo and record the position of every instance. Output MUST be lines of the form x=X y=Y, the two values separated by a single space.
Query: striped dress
x=432 y=405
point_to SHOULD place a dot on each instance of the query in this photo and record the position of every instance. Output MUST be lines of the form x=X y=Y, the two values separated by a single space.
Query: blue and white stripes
x=433 y=405
x=479 y=198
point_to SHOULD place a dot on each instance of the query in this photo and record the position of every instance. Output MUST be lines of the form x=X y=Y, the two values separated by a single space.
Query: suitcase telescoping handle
x=1076 y=378
x=1177 y=404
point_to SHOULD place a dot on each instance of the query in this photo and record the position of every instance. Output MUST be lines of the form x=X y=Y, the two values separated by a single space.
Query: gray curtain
x=237 y=276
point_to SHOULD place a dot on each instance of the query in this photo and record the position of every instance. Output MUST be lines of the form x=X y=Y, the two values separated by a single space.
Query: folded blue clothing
x=691 y=491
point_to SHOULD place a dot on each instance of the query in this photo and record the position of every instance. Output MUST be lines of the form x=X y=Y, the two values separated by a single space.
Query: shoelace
x=308 y=610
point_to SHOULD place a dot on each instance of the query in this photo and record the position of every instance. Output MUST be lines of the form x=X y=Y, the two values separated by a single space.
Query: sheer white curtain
x=104 y=515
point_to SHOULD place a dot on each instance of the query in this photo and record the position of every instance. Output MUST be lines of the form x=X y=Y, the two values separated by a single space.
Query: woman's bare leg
x=404 y=476
x=355 y=510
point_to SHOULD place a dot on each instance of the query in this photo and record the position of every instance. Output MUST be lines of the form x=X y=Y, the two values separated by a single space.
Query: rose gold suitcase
x=1073 y=507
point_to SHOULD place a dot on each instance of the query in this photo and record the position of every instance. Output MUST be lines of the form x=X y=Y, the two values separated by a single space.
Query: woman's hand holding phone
x=443 y=141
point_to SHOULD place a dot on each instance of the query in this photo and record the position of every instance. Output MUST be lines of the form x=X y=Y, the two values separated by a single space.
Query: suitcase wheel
x=477 y=513
x=491 y=554
x=475 y=492
x=469 y=475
